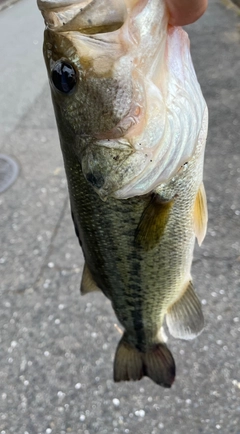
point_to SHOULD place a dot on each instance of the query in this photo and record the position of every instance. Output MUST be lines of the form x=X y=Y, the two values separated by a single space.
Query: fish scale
x=127 y=274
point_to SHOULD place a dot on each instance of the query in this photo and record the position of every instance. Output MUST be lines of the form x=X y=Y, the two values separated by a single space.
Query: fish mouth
x=85 y=16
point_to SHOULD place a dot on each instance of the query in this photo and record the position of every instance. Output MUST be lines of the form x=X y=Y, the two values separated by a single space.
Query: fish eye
x=64 y=77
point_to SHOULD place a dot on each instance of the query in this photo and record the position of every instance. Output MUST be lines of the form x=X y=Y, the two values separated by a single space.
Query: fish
x=132 y=125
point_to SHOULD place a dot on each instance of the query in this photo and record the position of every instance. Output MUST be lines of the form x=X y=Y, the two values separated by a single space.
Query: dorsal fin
x=200 y=215
x=185 y=318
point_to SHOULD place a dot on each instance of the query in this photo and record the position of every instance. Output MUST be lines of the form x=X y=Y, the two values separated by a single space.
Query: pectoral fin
x=185 y=318
x=88 y=284
x=200 y=215
x=153 y=222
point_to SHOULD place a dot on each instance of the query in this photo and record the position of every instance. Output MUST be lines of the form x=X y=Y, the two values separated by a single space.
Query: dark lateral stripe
x=135 y=300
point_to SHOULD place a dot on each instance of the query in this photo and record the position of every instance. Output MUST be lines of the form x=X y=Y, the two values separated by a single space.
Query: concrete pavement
x=23 y=73
x=57 y=348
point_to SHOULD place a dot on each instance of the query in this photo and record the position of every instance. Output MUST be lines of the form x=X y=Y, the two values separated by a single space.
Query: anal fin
x=88 y=284
x=200 y=214
x=156 y=363
x=185 y=318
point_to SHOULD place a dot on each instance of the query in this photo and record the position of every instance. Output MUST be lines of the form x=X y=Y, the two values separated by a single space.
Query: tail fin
x=131 y=364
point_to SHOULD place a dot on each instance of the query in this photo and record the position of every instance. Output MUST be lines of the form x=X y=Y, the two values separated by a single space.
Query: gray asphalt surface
x=57 y=348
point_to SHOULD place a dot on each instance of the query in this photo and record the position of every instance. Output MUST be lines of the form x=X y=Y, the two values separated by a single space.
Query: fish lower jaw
x=87 y=16
x=57 y=14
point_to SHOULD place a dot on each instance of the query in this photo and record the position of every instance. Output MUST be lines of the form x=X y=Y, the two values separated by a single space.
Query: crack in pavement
x=50 y=247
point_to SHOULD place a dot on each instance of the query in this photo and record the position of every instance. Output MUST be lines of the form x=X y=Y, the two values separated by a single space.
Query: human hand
x=183 y=12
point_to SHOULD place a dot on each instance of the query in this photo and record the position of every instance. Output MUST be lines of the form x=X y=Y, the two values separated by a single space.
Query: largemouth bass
x=132 y=123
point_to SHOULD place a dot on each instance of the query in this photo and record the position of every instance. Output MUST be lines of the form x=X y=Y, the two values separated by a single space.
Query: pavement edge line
x=229 y=4
x=6 y=4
